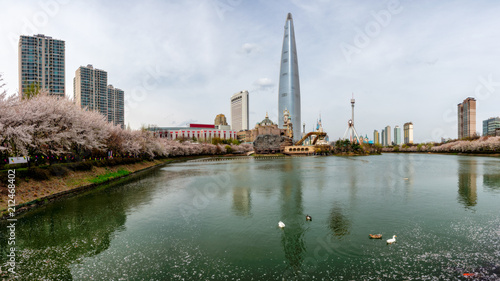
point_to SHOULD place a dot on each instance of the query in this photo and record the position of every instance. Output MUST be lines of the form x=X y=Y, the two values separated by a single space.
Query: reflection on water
x=338 y=222
x=242 y=201
x=467 y=182
x=134 y=231
x=292 y=238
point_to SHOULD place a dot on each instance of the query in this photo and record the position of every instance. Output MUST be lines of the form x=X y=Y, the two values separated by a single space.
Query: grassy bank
x=30 y=190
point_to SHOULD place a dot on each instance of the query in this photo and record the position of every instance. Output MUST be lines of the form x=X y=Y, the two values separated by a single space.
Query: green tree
x=32 y=90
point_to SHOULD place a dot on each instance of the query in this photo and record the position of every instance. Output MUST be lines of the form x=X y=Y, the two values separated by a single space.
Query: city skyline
x=394 y=56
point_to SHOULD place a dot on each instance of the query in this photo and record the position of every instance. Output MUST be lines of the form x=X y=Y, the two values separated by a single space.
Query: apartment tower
x=397 y=135
x=408 y=132
x=41 y=64
x=376 y=137
x=240 y=111
x=467 y=118
x=116 y=106
x=91 y=89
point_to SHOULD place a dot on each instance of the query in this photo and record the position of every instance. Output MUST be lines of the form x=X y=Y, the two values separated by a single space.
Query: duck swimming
x=281 y=224
x=375 y=236
x=392 y=240
x=309 y=218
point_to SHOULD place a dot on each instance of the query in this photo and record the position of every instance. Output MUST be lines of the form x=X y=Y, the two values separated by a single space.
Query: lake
x=218 y=220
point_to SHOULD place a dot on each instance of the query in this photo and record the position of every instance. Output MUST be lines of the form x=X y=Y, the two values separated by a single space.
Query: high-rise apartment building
x=408 y=132
x=490 y=126
x=289 y=86
x=91 y=89
x=240 y=111
x=388 y=140
x=41 y=64
x=383 y=138
x=116 y=106
x=467 y=118
x=376 y=137
x=397 y=135
x=92 y=92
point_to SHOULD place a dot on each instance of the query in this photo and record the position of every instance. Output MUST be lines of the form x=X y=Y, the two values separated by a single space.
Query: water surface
x=219 y=220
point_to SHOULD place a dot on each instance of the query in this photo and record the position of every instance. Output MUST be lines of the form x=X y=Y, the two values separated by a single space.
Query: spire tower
x=289 y=86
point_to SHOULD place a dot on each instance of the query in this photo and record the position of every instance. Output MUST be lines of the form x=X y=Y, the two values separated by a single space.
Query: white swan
x=281 y=224
x=392 y=240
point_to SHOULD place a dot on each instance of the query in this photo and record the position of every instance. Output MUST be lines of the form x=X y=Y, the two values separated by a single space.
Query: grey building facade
x=42 y=63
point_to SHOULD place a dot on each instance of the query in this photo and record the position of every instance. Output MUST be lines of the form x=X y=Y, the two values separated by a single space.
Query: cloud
x=249 y=48
x=264 y=84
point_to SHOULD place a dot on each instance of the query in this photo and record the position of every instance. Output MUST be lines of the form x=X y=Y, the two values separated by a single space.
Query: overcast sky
x=179 y=62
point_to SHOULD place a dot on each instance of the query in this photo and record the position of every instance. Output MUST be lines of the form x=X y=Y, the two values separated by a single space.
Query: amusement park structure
x=351 y=131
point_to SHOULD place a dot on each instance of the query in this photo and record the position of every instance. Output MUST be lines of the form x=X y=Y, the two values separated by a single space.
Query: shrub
x=58 y=170
x=39 y=173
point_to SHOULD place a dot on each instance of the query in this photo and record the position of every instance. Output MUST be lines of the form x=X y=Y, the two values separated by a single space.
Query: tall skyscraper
x=240 y=111
x=467 y=118
x=116 y=106
x=91 y=89
x=397 y=135
x=289 y=87
x=42 y=64
x=408 y=132
x=383 y=138
x=376 y=137
x=388 y=140
x=490 y=126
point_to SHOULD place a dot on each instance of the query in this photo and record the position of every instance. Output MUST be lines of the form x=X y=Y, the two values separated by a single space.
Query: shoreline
x=40 y=201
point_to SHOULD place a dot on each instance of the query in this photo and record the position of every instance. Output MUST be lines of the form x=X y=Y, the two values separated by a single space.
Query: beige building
x=408 y=133
x=265 y=127
x=220 y=119
x=240 y=111
x=467 y=118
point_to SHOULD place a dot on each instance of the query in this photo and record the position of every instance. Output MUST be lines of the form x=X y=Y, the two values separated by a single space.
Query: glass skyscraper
x=289 y=87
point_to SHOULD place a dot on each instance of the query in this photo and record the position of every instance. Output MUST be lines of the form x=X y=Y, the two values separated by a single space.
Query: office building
x=41 y=64
x=376 y=137
x=490 y=126
x=220 y=119
x=240 y=111
x=467 y=118
x=388 y=140
x=116 y=106
x=289 y=86
x=397 y=135
x=408 y=132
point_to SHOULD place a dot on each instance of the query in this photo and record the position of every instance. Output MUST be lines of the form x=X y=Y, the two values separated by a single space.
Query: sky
x=179 y=62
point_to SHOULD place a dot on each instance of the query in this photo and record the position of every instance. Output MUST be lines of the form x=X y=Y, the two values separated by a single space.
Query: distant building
x=388 y=140
x=408 y=133
x=42 y=63
x=240 y=111
x=265 y=127
x=490 y=126
x=383 y=138
x=467 y=118
x=116 y=106
x=376 y=137
x=204 y=132
x=92 y=92
x=397 y=135
x=220 y=119
x=90 y=89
